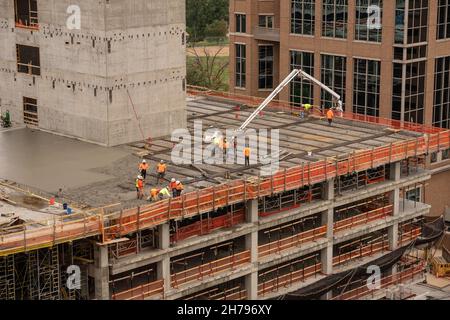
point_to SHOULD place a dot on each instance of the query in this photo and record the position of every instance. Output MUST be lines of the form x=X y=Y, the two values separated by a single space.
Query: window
x=414 y=194
x=303 y=15
x=443 y=19
x=400 y=12
x=441 y=105
x=265 y=67
x=30 y=111
x=366 y=90
x=302 y=91
x=417 y=21
x=241 y=23
x=265 y=21
x=363 y=31
x=334 y=20
x=333 y=75
x=28 y=60
x=240 y=65
x=26 y=14
x=411 y=107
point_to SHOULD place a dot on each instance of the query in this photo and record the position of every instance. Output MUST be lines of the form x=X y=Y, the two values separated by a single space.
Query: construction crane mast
x=295 y=73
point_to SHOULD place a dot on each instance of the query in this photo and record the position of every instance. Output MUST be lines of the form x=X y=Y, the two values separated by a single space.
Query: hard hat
x=173 y=180
x=162 y=161
x=140 y=177
x=143 y=161
x=178 y=182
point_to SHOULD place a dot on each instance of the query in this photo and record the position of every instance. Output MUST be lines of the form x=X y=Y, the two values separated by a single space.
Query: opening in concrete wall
x=26 y=13
x=28 y=60
x=30 y=111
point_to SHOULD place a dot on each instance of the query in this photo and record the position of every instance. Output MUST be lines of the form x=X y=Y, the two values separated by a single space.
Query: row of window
x=408 y=96
x=410 y=15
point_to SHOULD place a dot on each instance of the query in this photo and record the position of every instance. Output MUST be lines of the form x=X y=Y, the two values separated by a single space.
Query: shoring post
x=168 y=209
x=214 y=198
x=138 y=213
x=120 y=223
x=245 y=189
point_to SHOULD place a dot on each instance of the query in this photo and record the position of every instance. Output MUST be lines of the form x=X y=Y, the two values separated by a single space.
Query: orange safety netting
x=114 y=225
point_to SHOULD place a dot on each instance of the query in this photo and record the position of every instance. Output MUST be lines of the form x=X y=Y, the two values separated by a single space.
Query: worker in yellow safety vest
x=164 y=193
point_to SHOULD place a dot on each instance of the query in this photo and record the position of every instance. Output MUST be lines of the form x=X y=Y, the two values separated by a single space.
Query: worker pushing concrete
x=161 y=171
x=330 y=116
x=143 y=167
x=164 y=193
x=153 y=195
x=140 y=187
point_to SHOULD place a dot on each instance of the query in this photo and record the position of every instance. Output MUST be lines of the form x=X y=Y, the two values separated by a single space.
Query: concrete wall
x=82 y=91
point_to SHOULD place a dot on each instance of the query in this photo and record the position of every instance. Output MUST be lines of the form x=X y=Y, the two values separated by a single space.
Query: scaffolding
x=7 y=278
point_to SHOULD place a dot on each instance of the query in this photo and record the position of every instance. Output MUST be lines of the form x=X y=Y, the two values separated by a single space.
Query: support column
x=328 y=219
x=251 y=243
x=395 y=171
x=163 y=266
x=101 y=272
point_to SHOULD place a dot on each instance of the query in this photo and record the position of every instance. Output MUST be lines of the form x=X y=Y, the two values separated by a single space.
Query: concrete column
x=329 y=189
x=163 y=266
x=395 y=171
x=164 y=236
x=328 y=219
x=327 y=259
x=251 y=243
x=101 y=272
x=163 y=272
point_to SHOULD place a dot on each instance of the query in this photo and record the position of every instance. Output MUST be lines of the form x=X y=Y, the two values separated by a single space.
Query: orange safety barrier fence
x=399 y=277
x=361 y=252
x=409 y=236
x=114 y=225
x=287 y=280
x=141 y=292
x=204 y=226
x=292 y=241
x=210 y=269
x=363 y=218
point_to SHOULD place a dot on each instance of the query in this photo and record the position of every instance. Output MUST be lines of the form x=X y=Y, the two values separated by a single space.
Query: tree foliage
x=204 y=17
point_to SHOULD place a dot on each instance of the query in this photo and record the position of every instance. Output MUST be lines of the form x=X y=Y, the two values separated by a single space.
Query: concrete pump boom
x=284 y=83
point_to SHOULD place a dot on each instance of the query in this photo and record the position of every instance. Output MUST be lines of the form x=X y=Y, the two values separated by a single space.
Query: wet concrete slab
x=49 y=162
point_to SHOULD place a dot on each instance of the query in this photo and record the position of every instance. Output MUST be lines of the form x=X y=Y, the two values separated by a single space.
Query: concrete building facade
x=119 y=78
x=396 y=67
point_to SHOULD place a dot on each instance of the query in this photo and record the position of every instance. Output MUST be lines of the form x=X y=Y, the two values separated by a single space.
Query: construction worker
x=179 y=188
x=140 y=187
x=247 y=156
x=6 y=120
x=224 y=146
x=216 y=142
x=153 y=194
x=161 y=171
x=143 y=167
x=164 y=193
x=330 y=116
x=308 y=108
x=173 y=187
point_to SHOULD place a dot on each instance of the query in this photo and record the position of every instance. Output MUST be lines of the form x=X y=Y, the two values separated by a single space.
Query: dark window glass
x=302 y=91
x=303 y=15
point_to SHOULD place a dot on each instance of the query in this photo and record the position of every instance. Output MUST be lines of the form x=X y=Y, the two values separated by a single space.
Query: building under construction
x=344 y=195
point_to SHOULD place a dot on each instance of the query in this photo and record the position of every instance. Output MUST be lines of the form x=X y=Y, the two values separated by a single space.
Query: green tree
x=201 y=13
x=217 y=29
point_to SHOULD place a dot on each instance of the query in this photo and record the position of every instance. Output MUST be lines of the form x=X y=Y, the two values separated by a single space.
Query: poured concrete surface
x=48 y=162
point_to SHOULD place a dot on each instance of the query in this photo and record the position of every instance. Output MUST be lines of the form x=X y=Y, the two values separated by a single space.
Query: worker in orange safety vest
x=161 y=171
x=173 y=187
x=247 y=156
x=180 y=188
x=153 y=194
x=143 y=167
x=140 y=187
x=330 y=116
